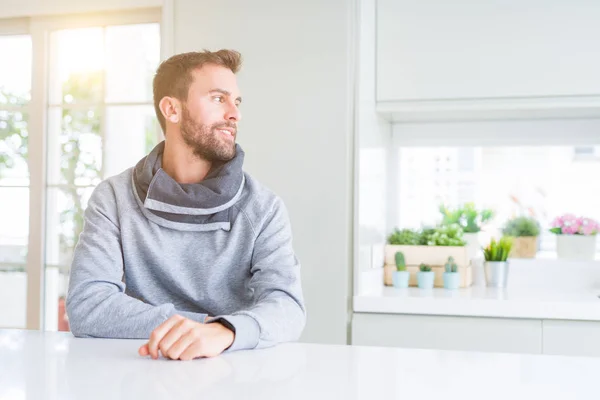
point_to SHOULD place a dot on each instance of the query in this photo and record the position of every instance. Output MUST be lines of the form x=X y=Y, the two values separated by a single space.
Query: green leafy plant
x=522 y=226
x=404 y=237
x=400 y=263
x=445 y=235
x=468 y=217
x=497 y=251
x=424 y=268
x=451 y=266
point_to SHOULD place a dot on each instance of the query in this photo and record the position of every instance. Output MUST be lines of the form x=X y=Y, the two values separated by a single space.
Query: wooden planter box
x=524 y=247
x=434 y=256
x=430 y=255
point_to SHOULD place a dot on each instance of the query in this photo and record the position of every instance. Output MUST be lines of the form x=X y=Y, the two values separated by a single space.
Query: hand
x=179 y=338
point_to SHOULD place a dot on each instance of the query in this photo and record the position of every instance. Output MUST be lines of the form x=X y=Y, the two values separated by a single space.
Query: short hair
x=174 y=75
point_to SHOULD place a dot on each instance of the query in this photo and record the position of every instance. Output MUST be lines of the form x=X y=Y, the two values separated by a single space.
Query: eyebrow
x=225 y=92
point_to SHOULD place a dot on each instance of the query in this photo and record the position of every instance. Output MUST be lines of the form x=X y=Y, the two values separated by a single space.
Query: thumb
x=144 y=351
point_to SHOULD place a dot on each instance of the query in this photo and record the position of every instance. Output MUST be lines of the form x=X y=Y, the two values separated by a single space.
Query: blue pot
x=425 y=279
x=400 y=279
x=451 y=280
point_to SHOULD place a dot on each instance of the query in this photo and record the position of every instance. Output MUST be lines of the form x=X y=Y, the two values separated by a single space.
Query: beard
x=205 y=140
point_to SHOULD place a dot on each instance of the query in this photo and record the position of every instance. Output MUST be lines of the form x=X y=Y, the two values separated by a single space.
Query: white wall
x=30 y=8
x=373 y=159
x=297 y=127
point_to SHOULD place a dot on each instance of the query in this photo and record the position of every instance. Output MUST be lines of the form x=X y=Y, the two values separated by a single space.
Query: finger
x=143 y=351
x=182 y=344
x=158 y=333
x=194 y=350
x=177 y=331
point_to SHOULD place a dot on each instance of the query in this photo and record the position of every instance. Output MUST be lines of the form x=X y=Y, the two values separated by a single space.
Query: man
x=185 y=249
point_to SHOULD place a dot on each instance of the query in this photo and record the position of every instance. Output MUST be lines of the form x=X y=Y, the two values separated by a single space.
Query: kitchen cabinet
x=448 y=332
x=571 y=338
x=495 y=57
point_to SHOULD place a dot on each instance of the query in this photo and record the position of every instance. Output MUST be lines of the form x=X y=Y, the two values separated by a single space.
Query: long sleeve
x=97 y=305
x=278 y=313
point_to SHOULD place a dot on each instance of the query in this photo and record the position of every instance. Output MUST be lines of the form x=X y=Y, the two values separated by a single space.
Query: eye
x=218 y=98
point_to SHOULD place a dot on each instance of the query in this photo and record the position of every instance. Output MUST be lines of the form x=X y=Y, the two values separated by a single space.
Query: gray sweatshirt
x=152 y=248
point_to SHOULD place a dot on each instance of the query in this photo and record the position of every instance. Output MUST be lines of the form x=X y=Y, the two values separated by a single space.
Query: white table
x=36 y=365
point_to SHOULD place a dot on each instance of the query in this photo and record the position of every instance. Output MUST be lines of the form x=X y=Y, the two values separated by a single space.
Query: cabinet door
x=447 y=50
x=571 y=338
x=448 y=333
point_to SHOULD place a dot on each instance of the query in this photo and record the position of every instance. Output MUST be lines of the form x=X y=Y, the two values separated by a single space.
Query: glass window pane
x=13 y=148
x=13 y=296
x=15 y=76
x=14 y=224
x=76 y=66
x=132 y=56
x=65 y=207
x=131 y=131
x=542 y=182
x=14 y=230
x=74 y=146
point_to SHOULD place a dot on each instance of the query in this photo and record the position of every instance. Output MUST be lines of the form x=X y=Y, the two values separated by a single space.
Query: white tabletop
x=35 y=365
x=535 y=303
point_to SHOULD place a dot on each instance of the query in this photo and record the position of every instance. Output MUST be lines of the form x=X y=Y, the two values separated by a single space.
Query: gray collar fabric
x=206 y=203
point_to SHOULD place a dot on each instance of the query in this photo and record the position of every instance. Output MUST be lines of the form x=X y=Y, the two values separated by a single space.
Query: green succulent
x=445 y=235
x=424 y=268
x=522 y=226
x=498 y=250
x=451 y=266
x=400 y=263
x=404 y=237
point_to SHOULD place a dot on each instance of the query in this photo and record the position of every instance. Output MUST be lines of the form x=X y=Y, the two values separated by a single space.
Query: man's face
x=211 y=114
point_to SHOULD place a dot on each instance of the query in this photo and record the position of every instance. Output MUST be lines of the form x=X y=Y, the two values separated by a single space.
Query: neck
x=181 y=164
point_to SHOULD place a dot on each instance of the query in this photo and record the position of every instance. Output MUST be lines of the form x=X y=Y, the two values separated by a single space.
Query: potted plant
x=398 y=240
x=496 y=264
x=425 y=277
x=575 y=237
x=431 y=246
x=525 y=232
x=401 y=275
x=471 y=221
x=451 y=275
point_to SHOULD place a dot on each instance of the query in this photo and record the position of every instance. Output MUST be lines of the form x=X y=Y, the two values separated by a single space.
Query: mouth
x=227 y=132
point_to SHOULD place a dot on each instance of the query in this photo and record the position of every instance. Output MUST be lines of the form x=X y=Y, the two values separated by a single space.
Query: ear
x=170 y=108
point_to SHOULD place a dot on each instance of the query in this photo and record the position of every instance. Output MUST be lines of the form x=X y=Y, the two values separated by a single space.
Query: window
x=100 y=122
x=538 y=181
x=88 y=107
x=15 y=92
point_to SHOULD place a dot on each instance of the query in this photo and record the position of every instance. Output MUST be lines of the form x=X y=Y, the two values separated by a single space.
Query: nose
x=233 y=113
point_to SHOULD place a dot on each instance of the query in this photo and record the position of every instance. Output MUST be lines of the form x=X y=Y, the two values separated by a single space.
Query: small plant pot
x=524 y=247
x=496 y=273
x=425 y=279
x=400 y=279
x=576 y=247
x=451 y=280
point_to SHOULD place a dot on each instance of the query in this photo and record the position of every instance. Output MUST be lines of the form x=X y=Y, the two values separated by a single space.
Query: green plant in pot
x=401 y=276
x=444 y=235
x=451 y=275
x=405 y=237
x=496 y=261
x=468 y=217
x=525 y=232
x=425 y=277
x=471 y=220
